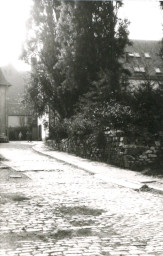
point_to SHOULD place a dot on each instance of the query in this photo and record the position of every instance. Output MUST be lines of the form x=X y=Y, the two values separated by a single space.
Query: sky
x=145 y=17
x=13 y=17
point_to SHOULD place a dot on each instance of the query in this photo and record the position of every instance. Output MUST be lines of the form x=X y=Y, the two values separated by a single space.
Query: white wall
x=44 y=129
x=3 y=117
x=17 y=121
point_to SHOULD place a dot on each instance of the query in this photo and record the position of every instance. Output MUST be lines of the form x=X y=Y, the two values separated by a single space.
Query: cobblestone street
x=61 y=210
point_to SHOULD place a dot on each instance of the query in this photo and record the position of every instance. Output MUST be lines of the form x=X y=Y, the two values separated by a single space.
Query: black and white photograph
x=81 y=128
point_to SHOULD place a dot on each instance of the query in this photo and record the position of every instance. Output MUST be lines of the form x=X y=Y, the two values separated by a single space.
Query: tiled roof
x=143 y=57
x=3 y=81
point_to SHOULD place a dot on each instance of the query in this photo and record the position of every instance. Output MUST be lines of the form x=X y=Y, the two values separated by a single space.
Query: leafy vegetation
x=73 y=45
x=75 y=49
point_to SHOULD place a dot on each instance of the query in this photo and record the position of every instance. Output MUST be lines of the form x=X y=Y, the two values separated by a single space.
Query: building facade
x=20 y=116
x=3 y=108
x=142 y=60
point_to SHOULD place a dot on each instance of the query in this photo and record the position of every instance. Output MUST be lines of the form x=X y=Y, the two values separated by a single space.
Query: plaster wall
x=43 y=129
x=3 y=110
x=17 y=121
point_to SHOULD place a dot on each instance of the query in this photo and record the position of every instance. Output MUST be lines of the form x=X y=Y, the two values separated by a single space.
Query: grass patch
x=15 y=240
x=80 y=210
x=15 y=197
x=84 y=232
x=80 y=223
x=62 y=233
x=18 y=198
x=69 y=233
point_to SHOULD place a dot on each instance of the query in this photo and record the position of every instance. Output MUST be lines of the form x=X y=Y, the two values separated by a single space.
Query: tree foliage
x=69 y=45
x=161 y=4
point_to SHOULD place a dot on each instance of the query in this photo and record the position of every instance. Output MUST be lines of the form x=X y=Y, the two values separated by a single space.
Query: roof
x=143 y=57
x=17 y=80
x=3 y=80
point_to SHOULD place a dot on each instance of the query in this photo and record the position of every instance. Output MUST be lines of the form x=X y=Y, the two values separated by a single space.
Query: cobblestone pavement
x=65 y=211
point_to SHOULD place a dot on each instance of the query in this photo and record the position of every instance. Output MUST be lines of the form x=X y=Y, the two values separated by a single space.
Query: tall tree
x=40 y=51
x=161 y=50
x=161 y=4
x=69 y=45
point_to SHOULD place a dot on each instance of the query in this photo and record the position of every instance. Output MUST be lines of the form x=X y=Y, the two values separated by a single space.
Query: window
x=157 y=70
x=136 y=69
x=142 y=69
x=147 y=55
x=134 y=54
x=139 y=69
x=137 y=55
x=130 y=54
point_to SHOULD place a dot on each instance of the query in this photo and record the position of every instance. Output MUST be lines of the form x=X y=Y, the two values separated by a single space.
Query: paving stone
x=130 y=222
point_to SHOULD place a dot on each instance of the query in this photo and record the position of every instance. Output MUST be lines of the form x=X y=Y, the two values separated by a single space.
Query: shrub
x=58 y=130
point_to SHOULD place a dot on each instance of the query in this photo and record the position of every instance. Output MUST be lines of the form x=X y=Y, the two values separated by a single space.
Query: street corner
x=8 y=179
x=9 y=175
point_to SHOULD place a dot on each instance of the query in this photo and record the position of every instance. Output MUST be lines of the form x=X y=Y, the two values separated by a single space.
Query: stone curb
x=10 y=167
x=7 y=166
x=137 y=186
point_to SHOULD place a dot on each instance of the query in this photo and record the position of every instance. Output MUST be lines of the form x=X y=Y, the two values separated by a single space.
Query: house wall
x=3 y=110
x=43 y=130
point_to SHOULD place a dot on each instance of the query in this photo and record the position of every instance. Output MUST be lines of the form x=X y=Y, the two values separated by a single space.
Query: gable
x=3 y=80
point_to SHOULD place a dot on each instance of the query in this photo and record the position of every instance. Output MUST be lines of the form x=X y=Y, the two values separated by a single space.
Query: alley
x=60 y=210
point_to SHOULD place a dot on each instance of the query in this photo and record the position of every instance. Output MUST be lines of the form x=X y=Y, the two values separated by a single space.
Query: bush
x=80 y=127
x=135 y=114
x=58 y=131
x=147 y=105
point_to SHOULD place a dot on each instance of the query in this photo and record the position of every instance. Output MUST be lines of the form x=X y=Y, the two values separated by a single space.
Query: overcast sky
x=145 y=17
